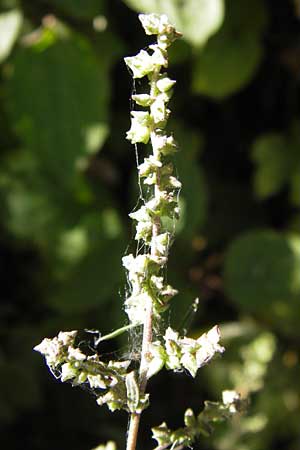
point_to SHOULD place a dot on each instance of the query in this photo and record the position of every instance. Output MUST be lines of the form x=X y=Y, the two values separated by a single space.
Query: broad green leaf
x=231 y=57
x=58 y=100
x=196 y=19
x=262 y=270
x=277 y=159
x=270 y=154
x=10 y=24
x=92 y=282
x=83 y=9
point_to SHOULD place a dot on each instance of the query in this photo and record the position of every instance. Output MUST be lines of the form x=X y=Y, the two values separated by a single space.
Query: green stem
x=119 y=331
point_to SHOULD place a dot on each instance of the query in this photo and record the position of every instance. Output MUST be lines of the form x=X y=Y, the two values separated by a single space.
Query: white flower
x=165 y=83
x=158 y=109
x=68 y=372
x=140 y=127
x=142 y=99
x=140 y=64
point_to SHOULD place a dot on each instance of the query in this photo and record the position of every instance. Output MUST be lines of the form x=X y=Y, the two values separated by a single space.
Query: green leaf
x=10 y=24
x=277 y=158
x=93 y=281
x=58 y=100
x=262 y=270
x=272 y=164
x=196 y=28
x=82 y=9
x=231 y=57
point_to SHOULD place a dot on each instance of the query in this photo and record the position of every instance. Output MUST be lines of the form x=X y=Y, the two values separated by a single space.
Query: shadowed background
x=68 y=180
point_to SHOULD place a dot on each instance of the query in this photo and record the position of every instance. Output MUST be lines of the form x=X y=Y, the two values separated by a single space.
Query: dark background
x=68 y=180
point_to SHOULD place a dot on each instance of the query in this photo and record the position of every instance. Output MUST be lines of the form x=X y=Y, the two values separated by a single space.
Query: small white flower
x=140 y=127
x=68 y=372
x=142 y=99
x=75 y=353
x=140 y=64
x=165 y=83
x=141 y=215
x=158 y=109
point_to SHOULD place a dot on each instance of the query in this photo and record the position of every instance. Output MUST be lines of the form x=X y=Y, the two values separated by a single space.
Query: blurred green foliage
x=68 y=180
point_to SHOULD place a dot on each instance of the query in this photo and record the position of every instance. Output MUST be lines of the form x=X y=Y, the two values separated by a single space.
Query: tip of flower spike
x=159 y=25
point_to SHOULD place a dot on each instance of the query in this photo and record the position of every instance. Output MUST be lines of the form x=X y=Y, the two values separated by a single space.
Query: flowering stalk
x=149 y=293
x=115 y=383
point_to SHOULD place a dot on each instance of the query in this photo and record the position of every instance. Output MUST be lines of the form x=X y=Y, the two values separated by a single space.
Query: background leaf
x=238 y=45
x=10 y=24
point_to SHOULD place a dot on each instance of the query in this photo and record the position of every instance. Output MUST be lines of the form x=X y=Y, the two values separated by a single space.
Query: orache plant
x=119 y=384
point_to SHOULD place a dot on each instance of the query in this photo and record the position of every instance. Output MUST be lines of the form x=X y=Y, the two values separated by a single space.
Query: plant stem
x=148 y=322
x=133 y=431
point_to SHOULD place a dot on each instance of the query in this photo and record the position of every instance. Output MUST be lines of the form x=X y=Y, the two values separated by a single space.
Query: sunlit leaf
x=58 y=101
x=94 y=281
x=262 y=270
x=277 y=158
x=10 y=24
x=231 y=57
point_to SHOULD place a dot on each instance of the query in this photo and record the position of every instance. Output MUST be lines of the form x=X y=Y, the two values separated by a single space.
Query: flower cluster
x=202 y=424
x=111 y=382
x=177 y=353
x=146 y=285
x=156 y=171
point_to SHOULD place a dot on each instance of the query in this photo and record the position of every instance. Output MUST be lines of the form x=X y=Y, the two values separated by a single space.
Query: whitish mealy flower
x=135 y=306
x=136 y=265
x=142 y=99
x=154 y=23
x=190 y=354
x=140 y=64
x=55 y=349
x=144 y=231
x=140 y=127
x=96 y=382
x=156 y=358
x=164 y=144
x=174 y=182
x=76 y=354
x=110 y=445
x=159 y=57
x=158 y=109
x=164 y=83
x=149 y=165
x=161 y=243
x=141 y=215
x=160 y=25
x=68 y=372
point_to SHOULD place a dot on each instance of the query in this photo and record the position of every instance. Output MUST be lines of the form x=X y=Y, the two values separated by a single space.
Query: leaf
x=262 y=270
x=272 y=164
x=93 y=281
x=277 y=158
x=10 y=24
x=196 y=28
x=231 y=57
x=82 y=9
x=58 y=100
